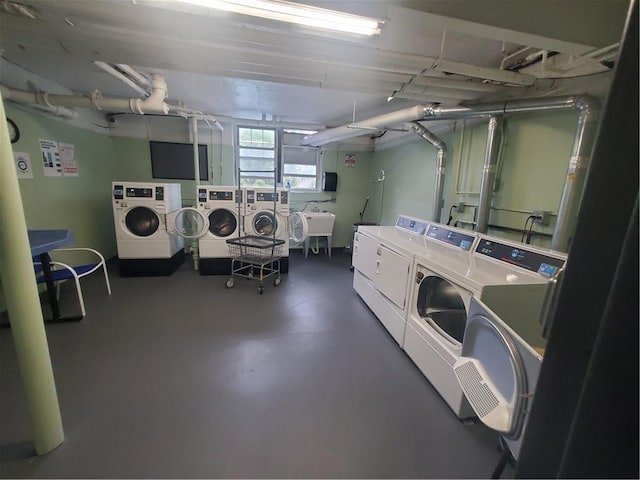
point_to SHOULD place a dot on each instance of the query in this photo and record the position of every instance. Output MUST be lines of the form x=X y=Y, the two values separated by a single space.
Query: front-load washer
x=263 y=221
x=498 y=372
x=224 y=208
x=151 y=226
x=383 y=259
x=511 y=278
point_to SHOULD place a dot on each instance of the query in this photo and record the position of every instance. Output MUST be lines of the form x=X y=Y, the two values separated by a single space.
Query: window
x=257 y=156
x=261 y=160
x=300 y=167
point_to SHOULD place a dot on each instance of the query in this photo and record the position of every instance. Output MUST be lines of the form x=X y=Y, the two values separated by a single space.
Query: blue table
x=42 y=242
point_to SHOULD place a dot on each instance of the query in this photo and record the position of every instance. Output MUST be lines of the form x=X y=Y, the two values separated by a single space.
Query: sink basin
x=319 y=223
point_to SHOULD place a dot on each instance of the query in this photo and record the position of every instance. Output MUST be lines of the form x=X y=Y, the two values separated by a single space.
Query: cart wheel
x=261 y=289
x=276 y=282
x=229 y=283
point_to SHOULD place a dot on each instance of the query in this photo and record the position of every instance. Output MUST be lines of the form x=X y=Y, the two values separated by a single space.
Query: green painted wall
x=534 y=161
x=353 y=188
x=133 y=164
x=81 y=204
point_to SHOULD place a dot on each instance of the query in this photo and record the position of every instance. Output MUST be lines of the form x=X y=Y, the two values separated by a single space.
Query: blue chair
x=62 y=271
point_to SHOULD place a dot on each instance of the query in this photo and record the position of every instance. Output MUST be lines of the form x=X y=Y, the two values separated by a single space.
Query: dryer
x=224 y=208
x=498 y=372
x=263 y=221
x=383 y=259
x=511 y=278
x=151 y=226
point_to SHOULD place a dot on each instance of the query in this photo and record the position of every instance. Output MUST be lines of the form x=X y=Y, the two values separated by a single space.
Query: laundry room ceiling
x=245 y=67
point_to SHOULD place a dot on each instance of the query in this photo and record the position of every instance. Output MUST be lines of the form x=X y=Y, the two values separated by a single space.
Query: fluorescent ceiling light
x=306 y=15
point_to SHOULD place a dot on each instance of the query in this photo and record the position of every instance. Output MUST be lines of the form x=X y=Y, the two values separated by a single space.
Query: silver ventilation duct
x=580 y=152
x=494 y=138
x=438 y=189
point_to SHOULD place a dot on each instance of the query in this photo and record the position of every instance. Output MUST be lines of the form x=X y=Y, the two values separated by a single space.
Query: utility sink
x=320 y=224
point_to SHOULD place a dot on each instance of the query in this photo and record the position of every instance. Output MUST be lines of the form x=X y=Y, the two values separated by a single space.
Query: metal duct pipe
x=494 y=138
x=576 y=175
x=438 y=189
x=359 y=128
x=154 y=103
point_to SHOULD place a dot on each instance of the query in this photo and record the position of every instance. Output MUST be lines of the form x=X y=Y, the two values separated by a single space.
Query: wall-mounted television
x=175 y=161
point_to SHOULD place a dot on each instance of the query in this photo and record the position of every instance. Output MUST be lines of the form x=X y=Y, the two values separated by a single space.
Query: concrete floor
x=177 y=377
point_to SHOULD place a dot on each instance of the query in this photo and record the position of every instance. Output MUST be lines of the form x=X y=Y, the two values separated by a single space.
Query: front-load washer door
x=298 y=227
x=265 y=224
x=142 y=221
x=441 y=306
x=187 y=222
x=222 y=223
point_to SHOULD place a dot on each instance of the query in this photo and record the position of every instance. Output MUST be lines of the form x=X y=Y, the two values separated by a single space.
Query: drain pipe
x=438 y=189
x=494 y=138
x=195 y=252
x=154 y=103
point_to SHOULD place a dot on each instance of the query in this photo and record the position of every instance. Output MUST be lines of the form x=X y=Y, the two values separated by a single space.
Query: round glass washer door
x=265 y=224
x=187 y=222
x=142 y=221
x=298 y=227
x=222 y=222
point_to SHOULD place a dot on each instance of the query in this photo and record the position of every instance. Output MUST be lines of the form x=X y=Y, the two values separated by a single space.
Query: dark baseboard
x=150 y=267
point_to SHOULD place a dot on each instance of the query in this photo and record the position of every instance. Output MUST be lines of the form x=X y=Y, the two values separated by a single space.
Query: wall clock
x=14 y=133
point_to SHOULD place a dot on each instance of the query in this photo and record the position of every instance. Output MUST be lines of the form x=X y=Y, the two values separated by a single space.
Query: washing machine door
x=142 y=221
x=441 y=306
x=222 y=222
x=298 y=227
x=187 y=222
x=265 y=224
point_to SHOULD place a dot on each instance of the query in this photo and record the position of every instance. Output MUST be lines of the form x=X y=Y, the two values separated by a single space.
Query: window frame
x=275 y=149
x=279 y=160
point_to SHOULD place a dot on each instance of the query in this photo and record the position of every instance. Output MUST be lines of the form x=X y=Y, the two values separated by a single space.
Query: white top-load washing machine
x=262 y=221
x=151 y=226
x=224 y=208
x=383 y=268
x=509 y=277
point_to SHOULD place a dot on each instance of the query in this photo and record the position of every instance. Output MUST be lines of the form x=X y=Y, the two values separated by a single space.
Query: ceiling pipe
x=580 y=151
x=154 y=103
x=438 y=189
x=489 y=171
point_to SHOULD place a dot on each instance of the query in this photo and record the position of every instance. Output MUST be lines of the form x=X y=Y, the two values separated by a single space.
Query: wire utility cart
x=255 y=256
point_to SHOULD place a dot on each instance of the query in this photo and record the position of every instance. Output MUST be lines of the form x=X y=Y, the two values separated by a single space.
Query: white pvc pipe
x=195 y=252
x=154 y=103
x=23 y=303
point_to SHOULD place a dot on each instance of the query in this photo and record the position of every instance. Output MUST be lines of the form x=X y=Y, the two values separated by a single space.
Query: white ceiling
x=446 y=51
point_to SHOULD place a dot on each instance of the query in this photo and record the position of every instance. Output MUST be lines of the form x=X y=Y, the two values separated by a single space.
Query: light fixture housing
x=299 y=14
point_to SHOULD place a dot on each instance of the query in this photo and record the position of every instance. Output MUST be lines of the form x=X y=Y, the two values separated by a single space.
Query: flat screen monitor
x=175 y=161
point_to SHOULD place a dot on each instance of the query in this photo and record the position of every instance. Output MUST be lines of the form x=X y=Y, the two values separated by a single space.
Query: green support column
x=21 y=295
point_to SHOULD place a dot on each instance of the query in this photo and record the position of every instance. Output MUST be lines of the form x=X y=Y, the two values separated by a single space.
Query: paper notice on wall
x=23 y=164
x=68 y=160
x=350 y=160
x=50 y=158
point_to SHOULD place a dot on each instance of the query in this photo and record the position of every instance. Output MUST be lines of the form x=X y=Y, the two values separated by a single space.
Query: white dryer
x=456 y=267
x=498 y=372
x=224 y=209
x=263 y=221
x=383 y=259
x=151 y=226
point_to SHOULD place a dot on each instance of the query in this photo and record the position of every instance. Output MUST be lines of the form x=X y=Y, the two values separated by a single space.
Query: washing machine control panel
x=218 y=195
x=545 y=265
x=159 y=193
x=135 y=192
x=455 y=238
x=118 y=192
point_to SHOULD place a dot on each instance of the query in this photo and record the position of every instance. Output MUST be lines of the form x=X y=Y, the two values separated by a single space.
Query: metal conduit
x=580 y=152
x=438 y=189
x=494 y=138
